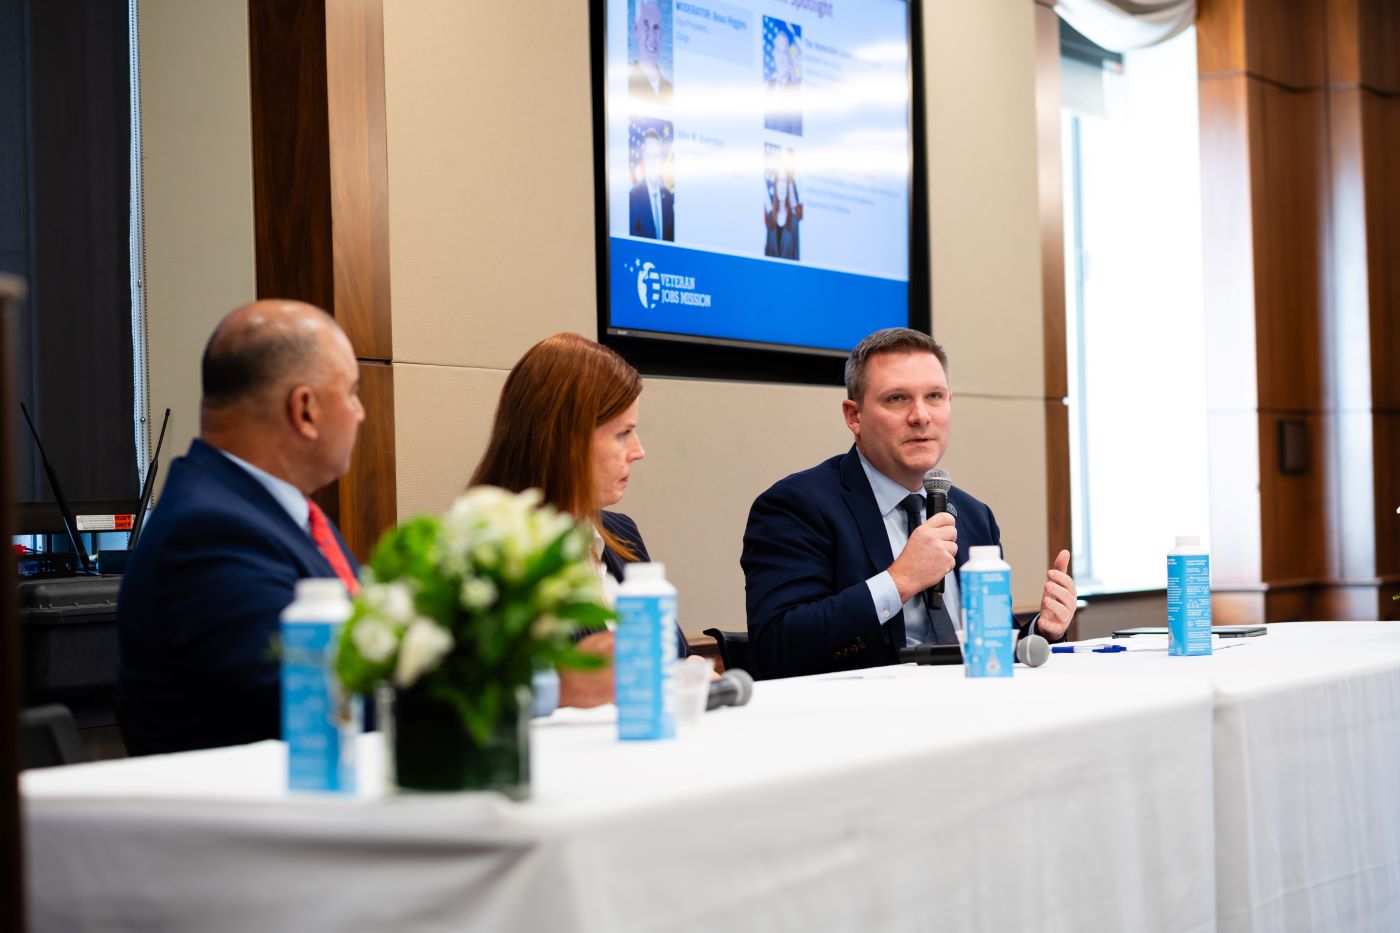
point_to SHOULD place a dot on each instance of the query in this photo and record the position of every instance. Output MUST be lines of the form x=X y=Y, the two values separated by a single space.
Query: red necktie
x=326 y=540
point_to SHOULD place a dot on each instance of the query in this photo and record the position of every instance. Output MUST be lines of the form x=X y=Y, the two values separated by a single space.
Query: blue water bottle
x=1188 y=598
x=319 y=722
x=644 y=662
x=989 y=632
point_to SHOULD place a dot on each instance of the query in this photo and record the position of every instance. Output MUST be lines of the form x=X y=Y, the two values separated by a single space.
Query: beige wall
x=491 y=221
x=197 y=152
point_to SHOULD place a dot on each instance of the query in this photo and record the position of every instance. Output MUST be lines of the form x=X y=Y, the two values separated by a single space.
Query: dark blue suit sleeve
x=804 y=618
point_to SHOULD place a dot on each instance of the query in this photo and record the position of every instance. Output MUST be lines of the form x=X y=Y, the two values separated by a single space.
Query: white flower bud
x=374 y=640
x=424 y=645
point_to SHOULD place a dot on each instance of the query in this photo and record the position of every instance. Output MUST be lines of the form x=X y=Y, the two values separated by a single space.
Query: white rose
x=478 y=593
x=424 y=645
x=393 y=601
x=374 y=639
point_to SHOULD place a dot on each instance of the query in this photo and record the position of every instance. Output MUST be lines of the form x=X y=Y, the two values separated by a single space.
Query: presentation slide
x=758 y=164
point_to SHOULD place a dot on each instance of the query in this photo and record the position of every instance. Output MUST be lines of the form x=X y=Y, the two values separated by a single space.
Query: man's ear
x=851 y=411
x=303 y=413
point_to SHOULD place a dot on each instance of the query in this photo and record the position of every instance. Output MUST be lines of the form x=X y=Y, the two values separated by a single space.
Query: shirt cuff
x=886 y=596
x=545 y=686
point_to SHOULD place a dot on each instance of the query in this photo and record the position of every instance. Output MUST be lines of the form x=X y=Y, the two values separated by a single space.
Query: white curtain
x=1120 y=25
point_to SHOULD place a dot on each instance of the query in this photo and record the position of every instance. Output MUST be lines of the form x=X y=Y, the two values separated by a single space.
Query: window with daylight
x=1134 y=308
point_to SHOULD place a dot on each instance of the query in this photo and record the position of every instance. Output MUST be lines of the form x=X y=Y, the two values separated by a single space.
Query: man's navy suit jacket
x=643 y=220
x=812 y=541
x=199 y=606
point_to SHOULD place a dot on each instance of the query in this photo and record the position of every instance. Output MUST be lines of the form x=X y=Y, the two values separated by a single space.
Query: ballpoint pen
x=1086 y=649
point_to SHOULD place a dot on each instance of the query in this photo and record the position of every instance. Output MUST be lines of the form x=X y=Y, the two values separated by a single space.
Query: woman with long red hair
x=566 y=424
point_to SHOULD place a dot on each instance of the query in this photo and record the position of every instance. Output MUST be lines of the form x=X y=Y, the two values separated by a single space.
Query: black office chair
x=50 y=737
x=733 y=649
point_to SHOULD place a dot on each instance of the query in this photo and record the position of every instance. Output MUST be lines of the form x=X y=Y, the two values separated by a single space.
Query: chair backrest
x=733 y=649
x=50 y=737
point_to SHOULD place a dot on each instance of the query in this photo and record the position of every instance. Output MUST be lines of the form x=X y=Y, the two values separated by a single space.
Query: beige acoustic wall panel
x=984 y=220
x=196 y=144
x=490 y=177
x=442 y=419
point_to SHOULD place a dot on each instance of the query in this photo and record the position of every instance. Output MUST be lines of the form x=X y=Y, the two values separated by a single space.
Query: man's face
x=648 y=26
x=652 y=160
x=901 y=425
x=338 y=403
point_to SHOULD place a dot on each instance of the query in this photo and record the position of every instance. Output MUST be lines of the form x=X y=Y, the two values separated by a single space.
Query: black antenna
x=149 y=485
x=68 y=521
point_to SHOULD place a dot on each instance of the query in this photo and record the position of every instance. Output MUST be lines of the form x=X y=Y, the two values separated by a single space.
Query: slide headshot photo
x=782 y=208
x=651 y=209
x=782 y=71
x=649 y=48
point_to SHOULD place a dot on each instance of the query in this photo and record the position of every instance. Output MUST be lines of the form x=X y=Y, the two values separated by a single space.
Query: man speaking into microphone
x=843 y=563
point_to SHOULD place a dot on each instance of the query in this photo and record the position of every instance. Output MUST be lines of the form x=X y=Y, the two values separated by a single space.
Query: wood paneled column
x=321 y=207
x=1297 y=460
x=1052 y=257
x=1362 y=339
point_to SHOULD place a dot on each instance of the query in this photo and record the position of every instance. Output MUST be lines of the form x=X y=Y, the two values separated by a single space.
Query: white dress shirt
x=888 y=496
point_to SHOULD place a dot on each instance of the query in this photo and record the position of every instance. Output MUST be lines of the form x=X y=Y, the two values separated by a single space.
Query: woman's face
x=615 y=447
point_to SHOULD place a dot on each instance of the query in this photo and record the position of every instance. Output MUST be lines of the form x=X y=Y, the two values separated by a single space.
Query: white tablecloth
x=905 y=799
x=1307 y=770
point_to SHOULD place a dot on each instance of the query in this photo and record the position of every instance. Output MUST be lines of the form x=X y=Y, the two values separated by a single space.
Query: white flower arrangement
x=467 y=605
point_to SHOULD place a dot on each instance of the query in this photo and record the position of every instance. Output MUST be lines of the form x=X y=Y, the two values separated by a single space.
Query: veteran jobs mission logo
x=655 y=288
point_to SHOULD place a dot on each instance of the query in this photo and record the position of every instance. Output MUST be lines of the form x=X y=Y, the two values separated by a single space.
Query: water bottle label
x=644 y=661
x=989 y=648
x=318 y=724
x=1188 y=604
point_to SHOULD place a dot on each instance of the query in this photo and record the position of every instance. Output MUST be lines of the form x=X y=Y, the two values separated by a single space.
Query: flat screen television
x=760 y=198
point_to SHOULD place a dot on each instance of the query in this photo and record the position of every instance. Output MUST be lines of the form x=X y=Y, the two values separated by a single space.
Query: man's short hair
x=240 y=367
x=889 y=340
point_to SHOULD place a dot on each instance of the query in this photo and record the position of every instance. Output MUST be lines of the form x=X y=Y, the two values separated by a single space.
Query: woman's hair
x=560 y=390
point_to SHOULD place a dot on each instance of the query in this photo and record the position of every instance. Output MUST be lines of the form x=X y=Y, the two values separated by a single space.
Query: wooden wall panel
x=359 y=173
x=1385 y=428
x=1293 y=524
x=1380 y=118
x=1378 y=26
x=1286 y=41
x=1228 y=245
x=364 y=511
x=1052 y=252
x=1220 y=37
x=321 y=207
x=1287 y=153
x=291 y=151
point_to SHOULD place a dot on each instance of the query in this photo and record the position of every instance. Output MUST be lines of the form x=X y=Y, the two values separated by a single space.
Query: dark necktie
x=940 y=623
x=325 y=540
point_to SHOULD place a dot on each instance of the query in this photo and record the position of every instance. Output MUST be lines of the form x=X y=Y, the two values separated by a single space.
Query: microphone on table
x=936 y=486
x=734 y=688
x=1032 y=651
x=931 y=654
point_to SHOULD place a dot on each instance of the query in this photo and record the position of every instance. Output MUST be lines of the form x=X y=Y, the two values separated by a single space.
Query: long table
x=894 y=799
x=1307 y=770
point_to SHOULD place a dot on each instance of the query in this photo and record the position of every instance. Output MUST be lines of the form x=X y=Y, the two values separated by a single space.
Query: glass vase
x=434 y=751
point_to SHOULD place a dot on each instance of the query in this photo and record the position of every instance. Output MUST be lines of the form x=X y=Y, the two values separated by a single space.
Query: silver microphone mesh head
x=936 y=480
x=1032 y=651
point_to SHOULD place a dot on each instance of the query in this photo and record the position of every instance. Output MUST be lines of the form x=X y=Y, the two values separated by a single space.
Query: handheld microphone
x=734 y=688
x=936 y=486
x=1032 y=650
x=931 y=654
